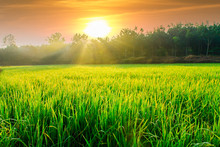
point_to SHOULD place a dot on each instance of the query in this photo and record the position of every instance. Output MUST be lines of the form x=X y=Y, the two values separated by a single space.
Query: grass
x=110 y=105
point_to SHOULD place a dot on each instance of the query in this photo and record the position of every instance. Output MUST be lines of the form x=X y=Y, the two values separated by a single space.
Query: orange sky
x=31 y=21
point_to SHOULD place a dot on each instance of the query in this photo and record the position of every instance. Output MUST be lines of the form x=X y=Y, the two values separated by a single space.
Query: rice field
x=110 y=105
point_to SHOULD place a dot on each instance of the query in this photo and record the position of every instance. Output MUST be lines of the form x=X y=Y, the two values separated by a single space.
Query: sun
x=97 y=28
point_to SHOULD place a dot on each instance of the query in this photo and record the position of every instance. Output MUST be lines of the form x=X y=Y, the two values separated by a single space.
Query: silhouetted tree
x=208 y=33
x=129 y=46
x=82 y=38
x=9 y=41
x=56 y=38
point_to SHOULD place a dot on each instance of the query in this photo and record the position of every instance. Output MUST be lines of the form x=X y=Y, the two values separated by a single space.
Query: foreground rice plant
x=123 y=105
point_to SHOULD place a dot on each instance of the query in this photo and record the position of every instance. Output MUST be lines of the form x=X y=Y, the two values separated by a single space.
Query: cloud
x=46 y=11
x=87 y=8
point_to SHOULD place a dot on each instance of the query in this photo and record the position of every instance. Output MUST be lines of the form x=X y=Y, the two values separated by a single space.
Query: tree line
x=175 y=40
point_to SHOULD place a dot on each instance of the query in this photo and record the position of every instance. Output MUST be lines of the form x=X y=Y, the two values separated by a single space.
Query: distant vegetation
x=110 y=105
x=129 y=46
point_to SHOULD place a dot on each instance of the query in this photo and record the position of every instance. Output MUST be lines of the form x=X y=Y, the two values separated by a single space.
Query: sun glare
x=97 y=28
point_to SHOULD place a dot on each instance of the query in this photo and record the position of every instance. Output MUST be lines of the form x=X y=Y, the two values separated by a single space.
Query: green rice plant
x=110 y=105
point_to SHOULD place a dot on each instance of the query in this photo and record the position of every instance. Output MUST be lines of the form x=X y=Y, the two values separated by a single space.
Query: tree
x=159 y=41
x=9 y=41
x=79 y=38
x=178 y=34
x=208 y=33
x=56 y=38
x=128 y=39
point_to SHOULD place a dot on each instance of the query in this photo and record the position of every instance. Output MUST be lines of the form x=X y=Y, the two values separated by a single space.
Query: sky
x=32 y=21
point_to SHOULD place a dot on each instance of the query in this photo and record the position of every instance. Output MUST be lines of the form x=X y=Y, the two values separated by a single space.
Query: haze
x=31 y=21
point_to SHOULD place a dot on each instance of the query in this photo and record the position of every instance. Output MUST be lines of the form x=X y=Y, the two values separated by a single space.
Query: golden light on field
x=97 y=28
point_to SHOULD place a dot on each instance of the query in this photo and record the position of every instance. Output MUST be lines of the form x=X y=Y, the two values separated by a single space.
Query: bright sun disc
x=97 y=28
